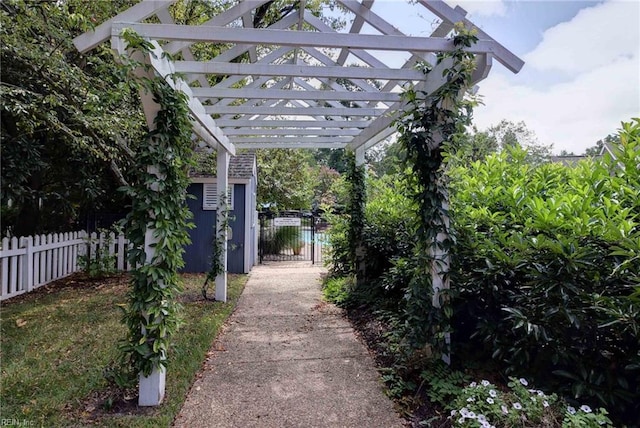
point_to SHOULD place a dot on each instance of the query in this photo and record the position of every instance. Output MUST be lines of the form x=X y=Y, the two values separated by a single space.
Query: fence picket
x=5 y=268
x=14 y=267
x=121 y=253
x=60 y=257
x=27 y=263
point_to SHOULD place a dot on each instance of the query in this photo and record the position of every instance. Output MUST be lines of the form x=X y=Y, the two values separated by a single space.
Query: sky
x=581 y=76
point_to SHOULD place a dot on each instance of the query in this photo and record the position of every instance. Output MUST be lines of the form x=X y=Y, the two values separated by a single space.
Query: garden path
x=287 y=359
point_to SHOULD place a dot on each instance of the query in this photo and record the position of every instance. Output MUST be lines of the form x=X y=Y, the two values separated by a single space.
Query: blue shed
x=243 y=217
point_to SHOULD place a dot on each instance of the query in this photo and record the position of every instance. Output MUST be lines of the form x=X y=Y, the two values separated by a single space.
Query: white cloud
x=571 y=115
x=596 y=36
x=482 y=7
x=597 y=56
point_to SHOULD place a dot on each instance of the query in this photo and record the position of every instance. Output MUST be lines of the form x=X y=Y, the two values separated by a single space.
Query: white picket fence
x=30 y=262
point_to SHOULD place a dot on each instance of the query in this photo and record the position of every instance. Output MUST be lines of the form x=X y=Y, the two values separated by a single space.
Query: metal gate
x=292 y=236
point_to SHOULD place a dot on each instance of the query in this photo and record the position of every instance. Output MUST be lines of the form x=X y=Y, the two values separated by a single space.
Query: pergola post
x=151 y=388
x=222 y=180
x=360 y=156
x=441 y=261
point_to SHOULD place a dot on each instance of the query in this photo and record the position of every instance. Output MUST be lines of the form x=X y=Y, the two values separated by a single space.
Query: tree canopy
x=67 y=119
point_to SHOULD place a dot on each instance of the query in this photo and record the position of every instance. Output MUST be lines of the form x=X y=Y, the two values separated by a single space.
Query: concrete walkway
x=287 y=359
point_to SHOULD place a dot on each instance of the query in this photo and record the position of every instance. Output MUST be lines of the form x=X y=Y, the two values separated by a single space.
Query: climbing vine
x=432 y=119
x=218 y=245
x=158 y=194
x=355 y=208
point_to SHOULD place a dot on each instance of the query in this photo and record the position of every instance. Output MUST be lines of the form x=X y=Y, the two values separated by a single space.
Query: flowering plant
x=484 y=405
x=585 y=417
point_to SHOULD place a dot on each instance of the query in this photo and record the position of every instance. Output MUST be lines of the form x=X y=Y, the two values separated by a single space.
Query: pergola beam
x=288 y=70
x=287 y=94
x=294 y=111
x=138 y=12
x=226 y=124
x=218 y=34
x=291 y=145
x=446 y=13
x=326 y=132
x=293 y=139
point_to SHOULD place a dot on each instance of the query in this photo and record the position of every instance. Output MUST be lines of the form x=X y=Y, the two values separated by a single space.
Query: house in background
x=607 y=148
x=243 y=217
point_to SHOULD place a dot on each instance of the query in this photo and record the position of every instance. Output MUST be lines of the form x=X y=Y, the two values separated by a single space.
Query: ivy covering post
x=157 y=224
x=431 y=120
x=222 y=222
x=355 y=210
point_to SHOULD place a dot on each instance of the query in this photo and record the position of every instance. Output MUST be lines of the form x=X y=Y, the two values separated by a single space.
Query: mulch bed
x=416 y=408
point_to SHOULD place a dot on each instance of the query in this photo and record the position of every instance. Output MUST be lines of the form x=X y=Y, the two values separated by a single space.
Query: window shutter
x=209 y=196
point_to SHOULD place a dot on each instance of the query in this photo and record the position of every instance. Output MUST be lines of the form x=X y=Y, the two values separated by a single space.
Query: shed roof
x=241 y=166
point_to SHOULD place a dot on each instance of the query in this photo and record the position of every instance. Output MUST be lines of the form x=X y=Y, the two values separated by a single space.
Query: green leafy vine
x=218 y=245
x=158 y=194
x=432 y=119
x=355 y=208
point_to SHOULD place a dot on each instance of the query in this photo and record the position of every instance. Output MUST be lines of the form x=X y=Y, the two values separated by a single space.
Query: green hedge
x=545 y=273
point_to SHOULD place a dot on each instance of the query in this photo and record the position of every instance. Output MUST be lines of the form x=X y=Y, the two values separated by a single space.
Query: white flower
x=545 y=403
x=482 y=418
x=523 y=381
x=453 y=412
x=471 y=400
x=585 y=408
x=517 y=406
x=493 y=393
x=485 y=383
x=504 y=409
x=461 y=420
x=473 y=384
x=471 y=415
x=464 y=412
x=485 y=424
x=571 y=410
x=540 y=393
x=489 y=400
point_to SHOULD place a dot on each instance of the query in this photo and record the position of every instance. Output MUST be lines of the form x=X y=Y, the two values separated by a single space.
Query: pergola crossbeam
x=218 y=34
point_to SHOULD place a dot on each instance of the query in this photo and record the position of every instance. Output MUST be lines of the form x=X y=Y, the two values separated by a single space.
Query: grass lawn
x=56 y=342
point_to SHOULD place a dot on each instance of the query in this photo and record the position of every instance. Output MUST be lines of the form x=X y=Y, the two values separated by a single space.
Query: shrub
x=277 y=239
x=337 y=290
x=546 y=267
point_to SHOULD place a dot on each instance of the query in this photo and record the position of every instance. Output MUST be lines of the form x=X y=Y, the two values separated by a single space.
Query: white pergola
x=305 y=85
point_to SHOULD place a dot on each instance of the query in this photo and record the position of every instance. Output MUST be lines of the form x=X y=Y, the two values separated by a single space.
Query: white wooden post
x=151 y=388
x=222 y=180
x=27 y=264
x=440 y=263
x=360 y=156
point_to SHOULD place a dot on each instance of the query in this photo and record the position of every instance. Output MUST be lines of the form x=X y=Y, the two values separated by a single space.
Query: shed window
x=210 y=196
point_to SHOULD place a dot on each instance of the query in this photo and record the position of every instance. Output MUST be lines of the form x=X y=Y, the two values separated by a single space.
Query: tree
x=510 y=134
x=284 y=179
x=471 y=146
x=324 y=189
x=67 y=118
x=331 y=158
x=596 y=150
